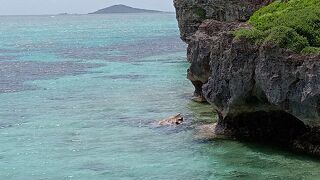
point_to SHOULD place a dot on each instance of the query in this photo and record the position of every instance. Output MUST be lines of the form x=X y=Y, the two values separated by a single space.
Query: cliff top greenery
x=292 y=24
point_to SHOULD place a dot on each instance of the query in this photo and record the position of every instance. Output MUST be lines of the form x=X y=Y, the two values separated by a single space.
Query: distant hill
x=123 y=9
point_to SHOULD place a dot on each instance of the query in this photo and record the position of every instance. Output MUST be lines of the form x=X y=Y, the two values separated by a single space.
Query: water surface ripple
x=79 y=95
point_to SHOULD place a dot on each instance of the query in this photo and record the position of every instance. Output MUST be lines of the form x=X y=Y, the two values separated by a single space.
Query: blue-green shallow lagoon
x=79 y=95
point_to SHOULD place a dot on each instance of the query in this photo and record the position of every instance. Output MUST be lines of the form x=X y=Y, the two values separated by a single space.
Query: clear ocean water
x=79 y=96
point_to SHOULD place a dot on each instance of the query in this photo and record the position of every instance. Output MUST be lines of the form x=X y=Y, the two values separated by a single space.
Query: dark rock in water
x=262 y=93
x=173 y=120
x=123 y=9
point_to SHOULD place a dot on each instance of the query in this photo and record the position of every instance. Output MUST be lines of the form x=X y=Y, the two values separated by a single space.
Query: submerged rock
x=261 y=93
x=207 y=132
x=173 y=120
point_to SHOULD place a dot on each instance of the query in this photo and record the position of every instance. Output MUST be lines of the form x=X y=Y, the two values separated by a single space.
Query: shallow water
x=79 y=95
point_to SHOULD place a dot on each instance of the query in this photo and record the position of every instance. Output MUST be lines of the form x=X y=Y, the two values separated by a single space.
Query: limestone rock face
x=191 y=13
x=260 y=92
x=173 y=120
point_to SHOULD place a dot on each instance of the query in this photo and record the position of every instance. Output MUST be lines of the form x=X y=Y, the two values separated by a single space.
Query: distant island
x=123 y=9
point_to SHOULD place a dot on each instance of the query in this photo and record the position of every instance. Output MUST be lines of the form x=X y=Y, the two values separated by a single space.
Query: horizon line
x=89 y=13
x=65 y=14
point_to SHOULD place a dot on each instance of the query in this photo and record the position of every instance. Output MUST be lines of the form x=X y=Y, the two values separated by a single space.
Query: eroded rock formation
x=260 y=92
x=173 y=120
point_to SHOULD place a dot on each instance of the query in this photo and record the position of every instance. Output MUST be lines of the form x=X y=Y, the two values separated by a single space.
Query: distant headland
x=124 y=9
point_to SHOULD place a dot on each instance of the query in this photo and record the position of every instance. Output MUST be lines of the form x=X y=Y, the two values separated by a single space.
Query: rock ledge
x=261 y=93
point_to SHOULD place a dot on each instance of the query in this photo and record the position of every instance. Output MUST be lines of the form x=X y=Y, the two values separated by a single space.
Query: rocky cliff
x=261 y=92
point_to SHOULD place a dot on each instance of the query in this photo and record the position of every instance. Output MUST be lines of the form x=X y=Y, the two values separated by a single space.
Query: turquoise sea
x=79 y=96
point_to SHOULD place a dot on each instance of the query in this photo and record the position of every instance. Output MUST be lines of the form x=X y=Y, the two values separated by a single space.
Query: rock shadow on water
x=272 y=149
x=207 y=134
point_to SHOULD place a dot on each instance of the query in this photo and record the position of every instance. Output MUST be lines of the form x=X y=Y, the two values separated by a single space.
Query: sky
x=39 y=7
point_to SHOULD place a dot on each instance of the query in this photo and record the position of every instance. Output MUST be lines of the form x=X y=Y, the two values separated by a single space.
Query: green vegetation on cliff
x=293 y=24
